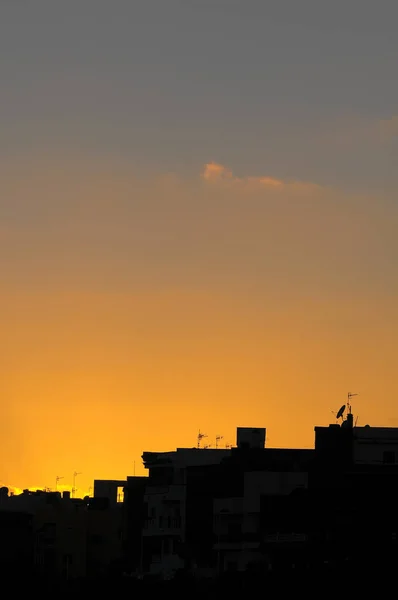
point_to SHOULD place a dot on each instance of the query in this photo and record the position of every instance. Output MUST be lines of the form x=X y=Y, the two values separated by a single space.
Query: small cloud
x=216 y=173
x=268 y=181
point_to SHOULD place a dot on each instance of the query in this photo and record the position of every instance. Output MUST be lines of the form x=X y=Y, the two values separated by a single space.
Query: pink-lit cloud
x=214 y=172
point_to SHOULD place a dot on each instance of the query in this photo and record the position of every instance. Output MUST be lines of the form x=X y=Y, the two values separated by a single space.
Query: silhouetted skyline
x=235 y=517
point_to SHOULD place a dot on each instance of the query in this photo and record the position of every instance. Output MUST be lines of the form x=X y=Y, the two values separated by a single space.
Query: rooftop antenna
x=75 y=474
x=349 y=396
x=218 y=439
x=200 y=437
x=58 y=478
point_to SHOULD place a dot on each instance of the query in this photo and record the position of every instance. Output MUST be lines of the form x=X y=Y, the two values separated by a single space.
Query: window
x=388 y=457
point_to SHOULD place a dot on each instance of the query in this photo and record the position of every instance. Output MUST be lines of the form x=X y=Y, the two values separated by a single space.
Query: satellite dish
x=340 y=412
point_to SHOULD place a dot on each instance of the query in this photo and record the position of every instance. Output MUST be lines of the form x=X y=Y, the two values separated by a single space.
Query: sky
x=198 y=218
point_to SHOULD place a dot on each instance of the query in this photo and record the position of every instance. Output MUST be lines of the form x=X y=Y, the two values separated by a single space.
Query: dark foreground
x=320 y=582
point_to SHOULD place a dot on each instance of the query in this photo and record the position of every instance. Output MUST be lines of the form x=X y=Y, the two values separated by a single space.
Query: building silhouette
x=212 y=514
x=65 y=538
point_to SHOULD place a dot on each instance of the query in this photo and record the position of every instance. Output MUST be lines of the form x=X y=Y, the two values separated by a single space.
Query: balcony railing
x=285 y=538
x=162 y=524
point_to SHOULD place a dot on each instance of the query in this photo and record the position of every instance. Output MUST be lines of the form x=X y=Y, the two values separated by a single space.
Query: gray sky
x=289 y=87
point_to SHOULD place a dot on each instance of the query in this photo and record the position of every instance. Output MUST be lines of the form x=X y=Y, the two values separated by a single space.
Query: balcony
x=162 y=526
x=285 y=538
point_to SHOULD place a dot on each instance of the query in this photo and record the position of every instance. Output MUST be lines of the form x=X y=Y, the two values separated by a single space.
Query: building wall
x=164 y=535
x=16 y=545
x=60 y=530
x=134 y=517
x=239 y=522
x=112 y=489
x=375 y=445
x=259 y=484
x=104 y=540
x=72 y=538
x=270 y=483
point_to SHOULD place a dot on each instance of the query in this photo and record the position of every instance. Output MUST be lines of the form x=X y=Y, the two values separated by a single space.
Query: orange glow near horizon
x=135 y=313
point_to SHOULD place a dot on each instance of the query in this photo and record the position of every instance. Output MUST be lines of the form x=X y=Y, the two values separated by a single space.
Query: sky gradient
x=198 y=226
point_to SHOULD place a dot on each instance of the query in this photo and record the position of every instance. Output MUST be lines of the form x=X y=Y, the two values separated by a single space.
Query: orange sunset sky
x=198 y=228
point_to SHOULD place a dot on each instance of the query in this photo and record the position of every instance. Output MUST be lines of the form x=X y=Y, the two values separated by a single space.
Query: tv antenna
x=218 y=439
x=349 y=396
x=75 y=474
x=200 y=437
x=58 y=478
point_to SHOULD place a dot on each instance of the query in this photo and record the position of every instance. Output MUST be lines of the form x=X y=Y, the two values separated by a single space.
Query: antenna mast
x=75 y=474
x=349 y=396
x=200 y=437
